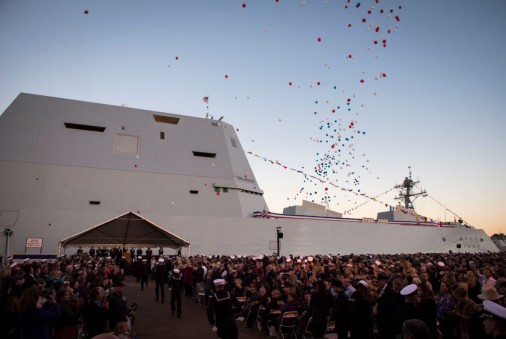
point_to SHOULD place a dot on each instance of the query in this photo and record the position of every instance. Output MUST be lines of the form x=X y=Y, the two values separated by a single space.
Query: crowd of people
x=57 y=298
x=450 y=295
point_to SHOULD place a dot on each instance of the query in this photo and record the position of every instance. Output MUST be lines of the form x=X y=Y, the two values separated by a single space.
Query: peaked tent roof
x=127 y=229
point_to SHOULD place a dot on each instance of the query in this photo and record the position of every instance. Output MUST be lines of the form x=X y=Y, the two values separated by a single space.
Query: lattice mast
x=407 y=194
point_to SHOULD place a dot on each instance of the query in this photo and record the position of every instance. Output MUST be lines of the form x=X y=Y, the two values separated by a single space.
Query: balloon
x=86 y=12
x=243 y=5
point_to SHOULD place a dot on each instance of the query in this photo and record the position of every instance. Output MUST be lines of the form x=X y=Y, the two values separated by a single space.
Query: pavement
x=153 y=319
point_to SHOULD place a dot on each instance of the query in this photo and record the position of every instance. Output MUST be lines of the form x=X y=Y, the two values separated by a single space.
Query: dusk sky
x=349 y=92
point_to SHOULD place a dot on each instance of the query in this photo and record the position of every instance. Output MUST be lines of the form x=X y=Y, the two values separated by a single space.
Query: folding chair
x=329 y=332
x=201 y=296
x=288 y=324
x=259 y=318
x=307 y=331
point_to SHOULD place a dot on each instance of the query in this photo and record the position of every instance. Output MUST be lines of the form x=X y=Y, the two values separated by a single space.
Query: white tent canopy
x=129 y=229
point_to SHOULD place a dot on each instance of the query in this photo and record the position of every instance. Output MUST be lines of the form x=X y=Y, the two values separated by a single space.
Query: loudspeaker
x=280 y=235
x=459 y=245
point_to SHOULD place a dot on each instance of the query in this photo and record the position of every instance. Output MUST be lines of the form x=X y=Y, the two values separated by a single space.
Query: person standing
x=117 y=306
x=494 y=319
x=220 y=312
x=95 y=312
x=176 y=284
x=144 y=273
x=36 y=318
x=385 y=319
x=161 y=279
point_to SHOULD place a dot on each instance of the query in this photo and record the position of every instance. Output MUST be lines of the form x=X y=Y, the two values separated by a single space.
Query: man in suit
x=385 y=319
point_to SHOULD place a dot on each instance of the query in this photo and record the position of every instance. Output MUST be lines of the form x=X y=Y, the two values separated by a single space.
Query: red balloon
x=362 y=81
x=290 y=83
x=318 y=83
x=397 y=18
x=226 y=76
x=319 y=39
x=364 y=20
x=86 y=12
x=243 y=5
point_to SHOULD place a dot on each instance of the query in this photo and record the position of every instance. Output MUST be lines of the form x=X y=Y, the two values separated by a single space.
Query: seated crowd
x=54 y=299
x=364 y=296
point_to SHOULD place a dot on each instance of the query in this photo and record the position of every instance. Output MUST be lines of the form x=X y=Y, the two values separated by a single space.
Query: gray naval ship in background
x=67 y=166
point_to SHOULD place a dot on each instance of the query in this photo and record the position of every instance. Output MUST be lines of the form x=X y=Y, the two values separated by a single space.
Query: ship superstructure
x=68 y=165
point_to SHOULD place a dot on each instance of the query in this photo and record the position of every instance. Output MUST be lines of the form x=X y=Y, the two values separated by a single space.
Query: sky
x=331 y=100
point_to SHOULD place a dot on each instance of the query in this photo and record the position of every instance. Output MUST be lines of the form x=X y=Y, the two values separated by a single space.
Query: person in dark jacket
x=95 y=312
x=36 y=318
x=408 y=310
x=117 y=305
x=361 y=318
x=144 y=271
x=10 y=322
x=340 y=310
x=386 y=308
x=176 y=284
x=66 y=326
x=160 y=279
x=220 y=312
x=319 y=308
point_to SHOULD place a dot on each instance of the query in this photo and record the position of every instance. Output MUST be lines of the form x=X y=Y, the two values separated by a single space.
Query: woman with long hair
x=11 y=321
x=66 y=326
x=36 y=318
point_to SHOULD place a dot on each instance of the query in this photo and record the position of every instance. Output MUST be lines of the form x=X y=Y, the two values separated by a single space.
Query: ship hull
x=67 y=166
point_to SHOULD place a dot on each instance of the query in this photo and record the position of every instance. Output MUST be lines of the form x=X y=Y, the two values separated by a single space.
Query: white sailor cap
x=176 y=271
x=219 y=282
x=410 y=289
x=309 y=259
x=14 y=264
x=491 y=309
x=161 y=260
x=26 y=259
x=108 y=258
x=364 y=283
x=377 y=262
x=441 y=264
x=288 y=259
x=139 y=257
x=143 y=260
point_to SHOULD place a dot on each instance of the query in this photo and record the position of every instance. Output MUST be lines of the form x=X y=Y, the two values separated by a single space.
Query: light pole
x=279 y=235
x=7 y=233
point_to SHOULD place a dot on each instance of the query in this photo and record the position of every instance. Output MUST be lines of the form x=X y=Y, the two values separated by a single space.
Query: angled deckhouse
x=66 y=166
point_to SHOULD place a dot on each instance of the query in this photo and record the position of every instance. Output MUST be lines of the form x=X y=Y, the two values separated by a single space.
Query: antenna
x=220 y=118
x=406 y=192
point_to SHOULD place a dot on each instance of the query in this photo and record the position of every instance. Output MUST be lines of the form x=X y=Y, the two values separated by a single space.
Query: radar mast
x=407 y=194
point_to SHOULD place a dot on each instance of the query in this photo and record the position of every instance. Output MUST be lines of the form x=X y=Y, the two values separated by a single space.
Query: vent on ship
x=94 y=202
x=194 y=192
x=166 y=119
x=204 y=154
x=85 y=127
